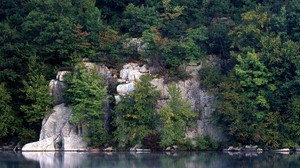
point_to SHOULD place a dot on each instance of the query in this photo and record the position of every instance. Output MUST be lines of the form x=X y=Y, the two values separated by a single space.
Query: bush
x=206 y=143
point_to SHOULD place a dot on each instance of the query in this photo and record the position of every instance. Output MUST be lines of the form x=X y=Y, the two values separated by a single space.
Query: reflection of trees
x=10 y=159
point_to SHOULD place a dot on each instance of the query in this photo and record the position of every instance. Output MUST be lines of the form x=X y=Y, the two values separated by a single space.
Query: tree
x=174 y=118
x=9 y=122
x=36 y=89
x=135 y=114
x=87 y=94
x=293 y=20
x=138 y=19
x=246 y=36
x=51 y=27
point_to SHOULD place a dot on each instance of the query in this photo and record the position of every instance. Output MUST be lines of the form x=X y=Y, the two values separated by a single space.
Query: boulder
x=57 y=133
x=108 y=149
x=132 y=72
x=124 y=89
x=58 y=123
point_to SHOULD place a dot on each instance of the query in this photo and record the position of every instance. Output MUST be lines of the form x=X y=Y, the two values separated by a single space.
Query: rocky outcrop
x=58 y=133
x=130 y=73
x=199 y=99
x=58 y=123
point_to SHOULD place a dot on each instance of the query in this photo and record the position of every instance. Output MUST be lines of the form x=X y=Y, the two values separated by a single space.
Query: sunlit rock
x=124 y=89
x=57 y=126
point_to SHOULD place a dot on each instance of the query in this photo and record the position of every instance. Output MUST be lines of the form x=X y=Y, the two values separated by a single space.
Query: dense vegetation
x=255 y=76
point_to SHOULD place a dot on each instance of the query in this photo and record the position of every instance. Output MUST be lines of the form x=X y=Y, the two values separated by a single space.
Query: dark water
x=154 y=160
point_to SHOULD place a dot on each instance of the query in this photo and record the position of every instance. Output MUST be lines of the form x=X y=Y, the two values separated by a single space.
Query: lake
x=151 y=160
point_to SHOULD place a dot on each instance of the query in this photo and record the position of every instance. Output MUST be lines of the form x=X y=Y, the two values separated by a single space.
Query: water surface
x=151 y=160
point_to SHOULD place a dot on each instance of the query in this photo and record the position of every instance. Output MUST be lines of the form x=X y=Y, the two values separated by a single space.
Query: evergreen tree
x=135 y=114
x=37 y=95
x=174 y=118
x=87 y=94
x=9 y=123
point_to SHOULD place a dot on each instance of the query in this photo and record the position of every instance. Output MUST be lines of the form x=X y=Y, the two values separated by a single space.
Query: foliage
x=9 y=123
x=174 y=118
x=138 y=19
x=37 y=92
x=255 y=96
x=206 y=143
x=86 y=95
x=135 y=115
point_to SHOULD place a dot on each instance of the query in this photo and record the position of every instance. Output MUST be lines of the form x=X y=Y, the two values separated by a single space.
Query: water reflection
x=140 y=160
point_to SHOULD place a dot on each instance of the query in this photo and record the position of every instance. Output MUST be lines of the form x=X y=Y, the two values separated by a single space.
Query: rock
x=72 y=143
x=58 y=123
x=43 y=145
x=175 y=147
x=250 y=148
x=124 y=89
x=57 y=133
x=232 y=149
x=57 y=87
x=102 y=70
x=117 y=99
x=168 y=148
x=143 y=69
x=199 y=99
x=172 y=148
x=135 y=43
x=135 y=147
x=60 y=75
x=56 y=90
x=58 y=142
x=132 y=72
x=108 y=149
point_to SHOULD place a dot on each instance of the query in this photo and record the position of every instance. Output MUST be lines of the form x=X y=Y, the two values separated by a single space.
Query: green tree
x=87 y=94
x=137 y=19
x=293 y=20
x=174 y=118
x=135 y=114
x=9 y=122
x=38 y=99
x=51 y=27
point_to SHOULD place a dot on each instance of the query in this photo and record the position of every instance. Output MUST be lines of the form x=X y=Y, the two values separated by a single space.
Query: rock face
x=58 y=123
x=130 y=73
x=57 y=133
x=57 y=86
x=199 y=99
